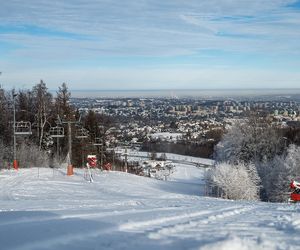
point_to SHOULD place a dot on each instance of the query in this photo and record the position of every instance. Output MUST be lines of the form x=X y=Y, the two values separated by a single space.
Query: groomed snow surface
x=45 y=209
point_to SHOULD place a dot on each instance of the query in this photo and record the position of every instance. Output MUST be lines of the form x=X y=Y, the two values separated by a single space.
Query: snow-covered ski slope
x=124 y=211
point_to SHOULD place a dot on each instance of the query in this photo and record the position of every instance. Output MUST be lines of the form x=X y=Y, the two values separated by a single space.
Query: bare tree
x=43 y=103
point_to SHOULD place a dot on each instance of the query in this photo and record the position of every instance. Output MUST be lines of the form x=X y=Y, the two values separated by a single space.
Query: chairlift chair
x=98 y=142
x=23 y=128
x=81 y=133
x=57 y=132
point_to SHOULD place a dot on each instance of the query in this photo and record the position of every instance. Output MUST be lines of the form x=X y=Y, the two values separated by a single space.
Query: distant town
x=163 y=124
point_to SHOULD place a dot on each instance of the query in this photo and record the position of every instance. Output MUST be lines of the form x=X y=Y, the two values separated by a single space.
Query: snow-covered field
x=135 y=155
x=123 y=211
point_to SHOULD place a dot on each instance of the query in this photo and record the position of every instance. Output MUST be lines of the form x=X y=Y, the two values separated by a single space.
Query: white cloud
x=147 y=28
x=154 y=26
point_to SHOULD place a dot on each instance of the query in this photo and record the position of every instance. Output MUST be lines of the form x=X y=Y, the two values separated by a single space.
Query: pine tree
x=62 y=102
x=91 y=123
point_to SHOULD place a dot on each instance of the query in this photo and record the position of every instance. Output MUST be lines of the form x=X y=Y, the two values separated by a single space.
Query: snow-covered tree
x=229 y=148
x=293 y=160
x=238 y=182
x=248 y=141
x=47 y=143
x=278 y=173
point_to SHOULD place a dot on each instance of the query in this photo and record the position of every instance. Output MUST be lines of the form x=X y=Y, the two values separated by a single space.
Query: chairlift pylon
x=23 y=128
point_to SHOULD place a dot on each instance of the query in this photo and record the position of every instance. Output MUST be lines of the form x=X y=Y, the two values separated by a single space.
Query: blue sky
x=150 y=44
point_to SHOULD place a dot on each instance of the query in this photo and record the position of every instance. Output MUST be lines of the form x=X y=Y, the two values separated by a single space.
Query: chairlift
x=23 y=128
x=98 y=142
x=57 y=132
x=81 y=133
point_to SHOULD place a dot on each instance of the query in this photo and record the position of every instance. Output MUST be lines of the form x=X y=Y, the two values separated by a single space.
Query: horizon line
x=178 y=89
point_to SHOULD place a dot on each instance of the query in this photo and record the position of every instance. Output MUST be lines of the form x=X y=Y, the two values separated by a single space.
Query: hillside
x=48 y=210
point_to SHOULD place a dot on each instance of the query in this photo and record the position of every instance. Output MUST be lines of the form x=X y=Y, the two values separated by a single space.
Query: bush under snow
x=31 y=156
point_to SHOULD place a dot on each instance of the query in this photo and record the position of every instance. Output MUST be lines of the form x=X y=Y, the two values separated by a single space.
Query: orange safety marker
x=16 y=165
x=70 y=170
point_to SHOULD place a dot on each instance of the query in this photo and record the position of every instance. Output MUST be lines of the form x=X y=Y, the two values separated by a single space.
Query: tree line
x=44 y=110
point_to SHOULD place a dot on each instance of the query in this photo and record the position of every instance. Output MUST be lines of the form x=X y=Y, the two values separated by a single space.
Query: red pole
x=16 y=165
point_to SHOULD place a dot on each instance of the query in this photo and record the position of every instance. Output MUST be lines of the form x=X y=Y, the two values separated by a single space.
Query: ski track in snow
x=163 y=220
x=122 y=211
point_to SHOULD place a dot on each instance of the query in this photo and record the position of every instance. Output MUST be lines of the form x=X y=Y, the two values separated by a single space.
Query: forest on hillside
x=41 y=127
